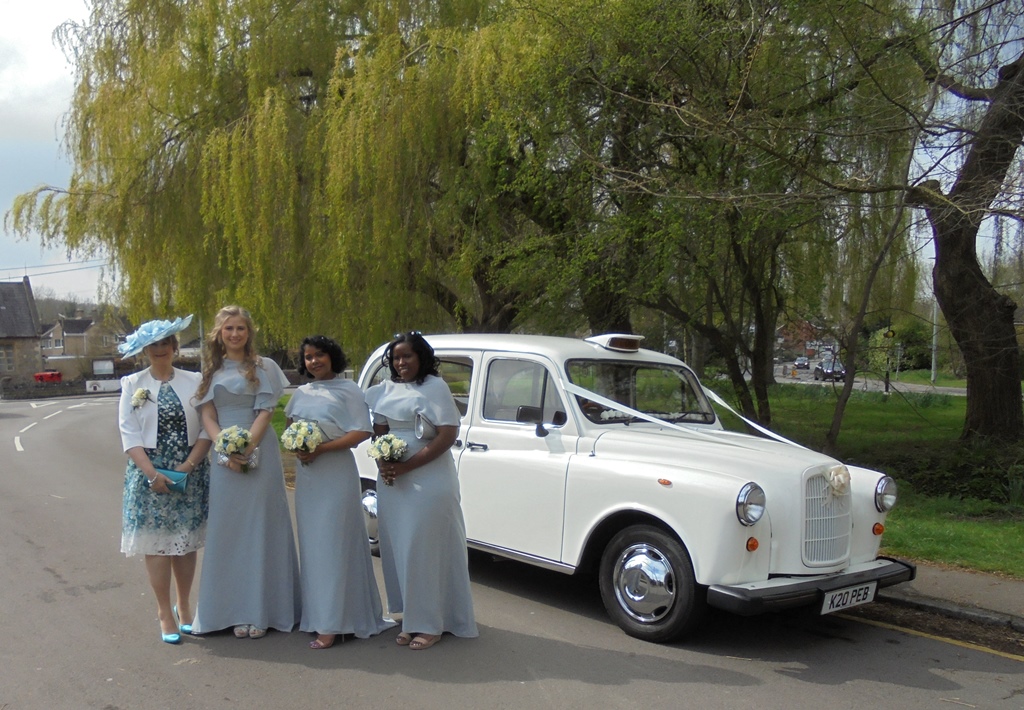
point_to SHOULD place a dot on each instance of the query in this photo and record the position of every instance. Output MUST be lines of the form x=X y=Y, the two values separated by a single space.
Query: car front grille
x=826 y=524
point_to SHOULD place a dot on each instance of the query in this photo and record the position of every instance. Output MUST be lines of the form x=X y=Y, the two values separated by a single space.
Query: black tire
x=648 y=586
x=369 y=502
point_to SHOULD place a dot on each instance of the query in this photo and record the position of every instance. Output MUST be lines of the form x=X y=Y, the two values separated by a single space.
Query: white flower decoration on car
x=838 y=480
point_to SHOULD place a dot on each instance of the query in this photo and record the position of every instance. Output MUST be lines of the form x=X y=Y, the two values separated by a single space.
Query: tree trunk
x=981 y=321
x=979 y=317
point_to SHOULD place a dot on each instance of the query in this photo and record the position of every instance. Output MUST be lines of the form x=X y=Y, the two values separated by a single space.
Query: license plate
x=848 y=596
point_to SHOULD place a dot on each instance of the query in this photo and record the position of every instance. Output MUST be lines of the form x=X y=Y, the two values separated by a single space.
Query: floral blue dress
x=170 y=523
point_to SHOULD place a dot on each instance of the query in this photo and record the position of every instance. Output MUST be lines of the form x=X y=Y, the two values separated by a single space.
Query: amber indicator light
x=878 y=528
x=752 y=544
x=665 y=482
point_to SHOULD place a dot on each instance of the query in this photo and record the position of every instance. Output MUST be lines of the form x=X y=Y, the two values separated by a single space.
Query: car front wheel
x=370 y=514
x=648 y=585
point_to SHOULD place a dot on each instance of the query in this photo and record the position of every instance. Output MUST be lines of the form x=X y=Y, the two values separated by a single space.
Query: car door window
x=516 y=387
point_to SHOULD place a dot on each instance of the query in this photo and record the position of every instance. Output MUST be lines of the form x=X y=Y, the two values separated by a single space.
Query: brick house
x=20 y=354
x=82 y=337
x=73 y=343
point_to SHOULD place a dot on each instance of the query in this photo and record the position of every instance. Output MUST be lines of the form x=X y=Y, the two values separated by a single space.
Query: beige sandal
x=423 y=641
x=403 y=639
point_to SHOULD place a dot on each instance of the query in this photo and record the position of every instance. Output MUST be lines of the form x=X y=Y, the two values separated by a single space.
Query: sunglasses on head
x=411 y=332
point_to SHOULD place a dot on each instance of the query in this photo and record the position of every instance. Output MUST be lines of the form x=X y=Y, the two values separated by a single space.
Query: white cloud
x=36 y=83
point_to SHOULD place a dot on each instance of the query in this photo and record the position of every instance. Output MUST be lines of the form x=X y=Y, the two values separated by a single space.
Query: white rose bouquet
x=302 y=435
x=140 y=397
x=387 y=447
x=234 y=440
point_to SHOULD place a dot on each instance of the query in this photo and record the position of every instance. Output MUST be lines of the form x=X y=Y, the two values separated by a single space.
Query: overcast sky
x=35 y=91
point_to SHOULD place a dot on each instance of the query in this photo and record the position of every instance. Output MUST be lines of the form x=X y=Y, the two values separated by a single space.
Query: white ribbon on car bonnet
x=612 y=404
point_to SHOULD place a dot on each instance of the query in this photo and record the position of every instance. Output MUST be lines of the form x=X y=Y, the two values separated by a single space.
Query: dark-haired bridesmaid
x=339 y=592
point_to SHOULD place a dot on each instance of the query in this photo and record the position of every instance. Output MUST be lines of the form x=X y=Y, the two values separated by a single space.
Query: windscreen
x=668 y=393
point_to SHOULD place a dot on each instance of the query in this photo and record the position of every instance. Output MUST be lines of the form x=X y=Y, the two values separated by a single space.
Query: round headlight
x=885 y=494
x=750 y=504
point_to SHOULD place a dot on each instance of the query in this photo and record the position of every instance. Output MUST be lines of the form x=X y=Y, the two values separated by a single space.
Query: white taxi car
x=579 y=455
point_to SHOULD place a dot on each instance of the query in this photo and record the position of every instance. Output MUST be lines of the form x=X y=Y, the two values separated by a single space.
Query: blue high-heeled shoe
x=170 y=638
x=184 y=628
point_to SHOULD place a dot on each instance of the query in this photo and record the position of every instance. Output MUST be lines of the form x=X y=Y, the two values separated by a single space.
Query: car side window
x=515 y=392
x=457 y=372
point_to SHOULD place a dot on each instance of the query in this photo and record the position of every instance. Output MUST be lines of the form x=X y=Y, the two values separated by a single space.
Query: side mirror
x=526 y=414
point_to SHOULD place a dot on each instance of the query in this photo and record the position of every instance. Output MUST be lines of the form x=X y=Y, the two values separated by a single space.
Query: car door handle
x=472 y=446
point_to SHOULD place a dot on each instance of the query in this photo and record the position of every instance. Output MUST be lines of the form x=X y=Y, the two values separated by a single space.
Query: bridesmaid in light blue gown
x=422 y=530
x=339 y=592
x=250 y=575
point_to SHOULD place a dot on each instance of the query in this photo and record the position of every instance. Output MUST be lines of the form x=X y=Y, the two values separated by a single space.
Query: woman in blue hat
x=161 y=431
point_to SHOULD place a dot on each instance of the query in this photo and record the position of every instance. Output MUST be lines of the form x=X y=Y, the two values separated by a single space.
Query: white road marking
x=53 y=415
x=28 y=427
x=36 y=405
x=17 y=444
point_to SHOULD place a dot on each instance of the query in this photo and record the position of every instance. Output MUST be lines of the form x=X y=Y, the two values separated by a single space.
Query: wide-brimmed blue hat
x=152 y=332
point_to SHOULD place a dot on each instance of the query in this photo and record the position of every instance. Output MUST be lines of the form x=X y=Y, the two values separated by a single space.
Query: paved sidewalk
x=975 y=596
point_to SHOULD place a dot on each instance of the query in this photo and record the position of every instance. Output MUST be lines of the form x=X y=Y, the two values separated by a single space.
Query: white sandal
x=256 y=633
x=242 y=631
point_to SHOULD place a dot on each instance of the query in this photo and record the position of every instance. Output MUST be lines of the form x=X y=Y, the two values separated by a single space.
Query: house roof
x=75 y=326
x=18 y=315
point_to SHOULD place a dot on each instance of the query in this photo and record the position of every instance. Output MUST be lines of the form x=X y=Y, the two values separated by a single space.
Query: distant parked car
x=830 y=370
x=802 y=363
x=48 y=376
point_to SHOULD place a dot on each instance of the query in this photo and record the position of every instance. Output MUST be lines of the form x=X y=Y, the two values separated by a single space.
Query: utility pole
x=935 y=338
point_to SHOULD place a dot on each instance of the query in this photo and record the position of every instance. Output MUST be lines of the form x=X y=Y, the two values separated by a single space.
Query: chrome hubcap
x=370 y=514
x=645 y=585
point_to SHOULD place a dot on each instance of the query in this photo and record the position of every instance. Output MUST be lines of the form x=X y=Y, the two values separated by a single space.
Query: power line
x=63 y=271
x=56 y=263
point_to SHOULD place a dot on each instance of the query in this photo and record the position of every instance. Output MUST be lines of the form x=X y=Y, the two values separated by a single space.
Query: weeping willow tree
x=197 y=135
x=362 y=167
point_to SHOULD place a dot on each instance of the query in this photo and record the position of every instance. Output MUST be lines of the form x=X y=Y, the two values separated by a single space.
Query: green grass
x=972 y=534
x=924 y=377
x=872 y=420
x=278 y=421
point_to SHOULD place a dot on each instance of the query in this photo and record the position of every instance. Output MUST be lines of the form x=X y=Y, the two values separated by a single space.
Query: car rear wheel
x=370 y=514
x=648 y=585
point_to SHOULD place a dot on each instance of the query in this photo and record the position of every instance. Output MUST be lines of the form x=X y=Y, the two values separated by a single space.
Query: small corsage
x=387 y=447
x=302 y=435
x=140 y=397
x=234 y=440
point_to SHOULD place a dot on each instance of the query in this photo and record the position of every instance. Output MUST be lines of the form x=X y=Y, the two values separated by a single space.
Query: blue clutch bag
x=178 y=479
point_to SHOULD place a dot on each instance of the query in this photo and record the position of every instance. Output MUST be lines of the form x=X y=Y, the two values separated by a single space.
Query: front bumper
x=788 y=592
